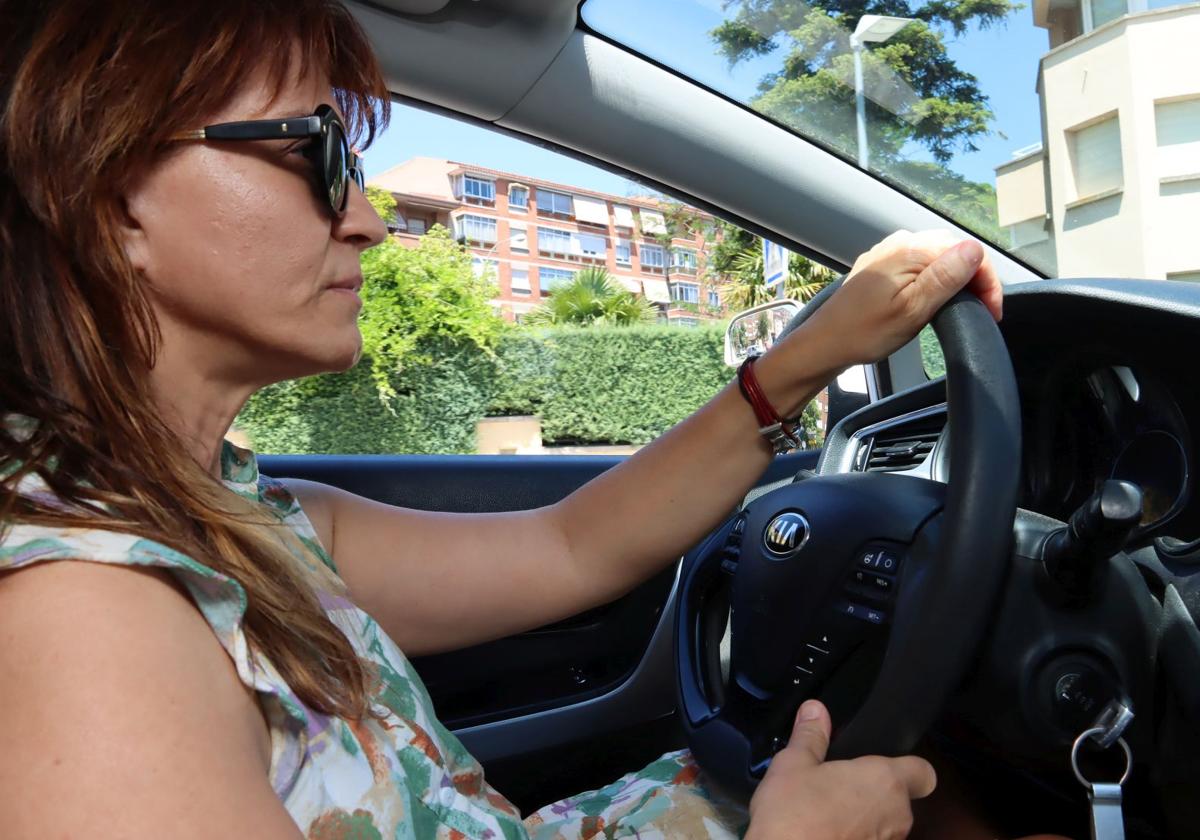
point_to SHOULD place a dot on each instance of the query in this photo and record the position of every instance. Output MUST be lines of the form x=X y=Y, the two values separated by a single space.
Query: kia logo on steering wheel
x=786 y=534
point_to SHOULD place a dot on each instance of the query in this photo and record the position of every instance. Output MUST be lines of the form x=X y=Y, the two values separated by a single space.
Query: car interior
x=987 y=562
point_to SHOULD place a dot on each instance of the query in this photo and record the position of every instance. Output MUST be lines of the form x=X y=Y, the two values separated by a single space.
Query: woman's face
x=252 y=277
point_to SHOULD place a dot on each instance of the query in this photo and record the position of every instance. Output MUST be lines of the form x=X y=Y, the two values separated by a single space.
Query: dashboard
x=1109 y=391
x=1109 y=383
x=1107 y=378
x=1093 y=419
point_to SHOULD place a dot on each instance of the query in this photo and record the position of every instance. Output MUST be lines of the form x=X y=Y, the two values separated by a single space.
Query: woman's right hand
x=803 y=796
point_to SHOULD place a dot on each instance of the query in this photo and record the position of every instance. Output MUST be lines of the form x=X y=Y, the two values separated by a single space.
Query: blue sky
x=675 y=32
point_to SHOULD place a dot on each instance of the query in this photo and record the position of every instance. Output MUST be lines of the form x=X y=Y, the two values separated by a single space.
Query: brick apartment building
x=533 y=235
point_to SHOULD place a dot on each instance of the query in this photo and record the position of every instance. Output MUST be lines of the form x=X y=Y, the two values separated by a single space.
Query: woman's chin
x=333 y=357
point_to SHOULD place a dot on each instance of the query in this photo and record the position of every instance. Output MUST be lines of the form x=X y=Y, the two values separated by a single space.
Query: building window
x=477 y=228
x=714 y=299
x=553 y=241
x=1027 y=232
x=592 y=211
x=520 y=281
x=518 y=239
x=684 y=322
x=481 y=267
x=624 y=251
x=1099 y=12
x=591 y=246
x=554 y=204
x=417 y=227
x=550 y=279
x=476 y=190
x=1096 y=157
x=518 y=198
x=653 y=258
x=683 y=259
x=653 y=222
x=686 y=292
x=1177 y=128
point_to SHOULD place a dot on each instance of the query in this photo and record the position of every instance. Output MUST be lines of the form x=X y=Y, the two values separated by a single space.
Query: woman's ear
x=134 y=238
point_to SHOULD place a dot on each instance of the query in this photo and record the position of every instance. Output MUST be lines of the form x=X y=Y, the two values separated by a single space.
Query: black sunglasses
x=329 y=152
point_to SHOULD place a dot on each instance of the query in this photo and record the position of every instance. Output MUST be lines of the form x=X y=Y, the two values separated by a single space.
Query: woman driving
x=193 y=649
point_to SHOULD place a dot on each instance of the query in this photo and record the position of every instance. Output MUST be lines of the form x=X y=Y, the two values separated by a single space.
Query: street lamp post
x=871 y=29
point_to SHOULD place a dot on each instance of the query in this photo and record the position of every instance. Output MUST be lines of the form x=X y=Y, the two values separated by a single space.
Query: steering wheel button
x=888 y=561
x=880 y=560
x=858 y=611
x=872 y=585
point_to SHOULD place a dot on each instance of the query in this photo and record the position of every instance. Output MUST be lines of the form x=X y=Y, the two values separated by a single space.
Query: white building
x=1114 y=189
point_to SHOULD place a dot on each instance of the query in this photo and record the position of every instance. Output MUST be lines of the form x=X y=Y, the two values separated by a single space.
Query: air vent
x=900 y=447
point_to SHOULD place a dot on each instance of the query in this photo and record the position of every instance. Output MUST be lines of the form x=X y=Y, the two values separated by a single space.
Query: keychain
x=1105 y=797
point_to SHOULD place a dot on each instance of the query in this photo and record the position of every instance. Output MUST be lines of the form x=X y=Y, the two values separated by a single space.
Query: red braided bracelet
x=780 y=433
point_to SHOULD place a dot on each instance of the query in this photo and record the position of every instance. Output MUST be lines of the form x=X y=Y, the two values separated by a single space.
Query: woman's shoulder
x=107 y=662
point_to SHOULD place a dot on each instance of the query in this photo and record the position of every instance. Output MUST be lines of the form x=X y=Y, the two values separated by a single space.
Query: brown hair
x=90 y=92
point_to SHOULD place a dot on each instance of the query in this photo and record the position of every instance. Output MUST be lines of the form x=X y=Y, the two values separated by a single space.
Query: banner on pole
x=775 y=264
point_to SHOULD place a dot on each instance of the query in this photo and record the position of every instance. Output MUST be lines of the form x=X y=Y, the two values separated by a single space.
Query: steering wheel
x=868 y=590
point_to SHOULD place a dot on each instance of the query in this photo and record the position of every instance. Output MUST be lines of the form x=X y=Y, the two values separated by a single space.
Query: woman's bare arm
x=442 y=581
x=122 y=716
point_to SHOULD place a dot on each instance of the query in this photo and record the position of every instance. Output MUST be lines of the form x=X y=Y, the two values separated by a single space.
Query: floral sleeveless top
x=405 y=776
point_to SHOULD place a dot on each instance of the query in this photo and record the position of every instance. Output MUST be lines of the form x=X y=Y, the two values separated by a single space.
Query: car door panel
x=602 y=672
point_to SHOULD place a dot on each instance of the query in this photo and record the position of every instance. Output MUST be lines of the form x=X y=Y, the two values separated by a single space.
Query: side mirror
x=753 y=331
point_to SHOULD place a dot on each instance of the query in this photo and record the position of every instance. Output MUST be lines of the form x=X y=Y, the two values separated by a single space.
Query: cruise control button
x=861 y=612
x=873 y=582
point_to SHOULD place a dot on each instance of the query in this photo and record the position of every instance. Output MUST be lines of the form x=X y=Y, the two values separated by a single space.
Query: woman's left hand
x=894 y=290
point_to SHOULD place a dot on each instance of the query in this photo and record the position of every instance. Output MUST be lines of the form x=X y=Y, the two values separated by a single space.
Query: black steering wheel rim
x=944 y=603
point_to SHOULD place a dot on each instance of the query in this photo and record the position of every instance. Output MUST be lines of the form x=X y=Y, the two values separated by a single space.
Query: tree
x=421 y=301
x=383 y=201
x=738 y=257
x=592 y=298
x=916 y=94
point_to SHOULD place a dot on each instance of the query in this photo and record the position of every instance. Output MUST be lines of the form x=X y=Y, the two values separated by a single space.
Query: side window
x=525 y=303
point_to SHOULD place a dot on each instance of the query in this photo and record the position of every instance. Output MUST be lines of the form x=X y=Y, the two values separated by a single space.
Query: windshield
x=1066 y=132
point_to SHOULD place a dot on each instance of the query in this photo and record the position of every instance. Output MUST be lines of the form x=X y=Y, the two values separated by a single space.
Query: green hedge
x=589 y=385
x=433 y=412
x=621 y=384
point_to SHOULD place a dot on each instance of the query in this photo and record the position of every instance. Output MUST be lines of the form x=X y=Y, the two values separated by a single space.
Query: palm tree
x=746 y=289
x=592 y=298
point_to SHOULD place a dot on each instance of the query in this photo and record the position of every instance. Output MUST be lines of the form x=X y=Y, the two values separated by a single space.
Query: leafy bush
x=419 y=301
x=604 y=385
x=625 y=385
x=432 y=410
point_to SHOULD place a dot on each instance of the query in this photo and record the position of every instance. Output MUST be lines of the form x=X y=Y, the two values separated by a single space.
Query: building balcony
x=566 y=256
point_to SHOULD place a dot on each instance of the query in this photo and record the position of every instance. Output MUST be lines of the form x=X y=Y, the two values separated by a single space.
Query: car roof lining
x=524 y=71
